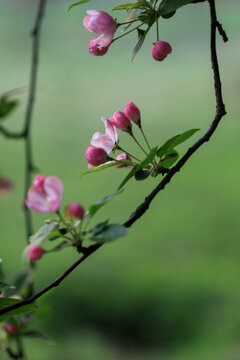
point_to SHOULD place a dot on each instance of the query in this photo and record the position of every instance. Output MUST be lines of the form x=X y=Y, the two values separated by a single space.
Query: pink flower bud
x=74 y=210
x=160 y=50
x=99 y=22
x=133 y=113
x=11 y=329
x=95 y=156
x=121 y=122
x=123 y=156
x=35 y=252
x=46 y=195
x=96 y=46
x=5 y=185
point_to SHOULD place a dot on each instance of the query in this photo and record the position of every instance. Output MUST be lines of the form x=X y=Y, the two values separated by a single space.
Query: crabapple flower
x=74 y=209
x=121 y=122
x=160 y=50
x=133 y=113
x=98 y=46
x=5 y=185
x=123 y=156
x=108 y=140
x=95 y=156
x=35 y=252
x=99 y=22
x=45 y=195
x=11 y=329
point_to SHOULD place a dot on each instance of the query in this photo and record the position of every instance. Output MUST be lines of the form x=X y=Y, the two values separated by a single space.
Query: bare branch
x=220 y=112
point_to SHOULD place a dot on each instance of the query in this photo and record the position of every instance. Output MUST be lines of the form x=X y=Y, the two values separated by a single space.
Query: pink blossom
x=133 y=113
x=99 y=46
x=99 y=22
x=120 y=121
x=95 y=156
x=45 y=195
x=74 y=209
x=5 y=185
x=160 y=50
x=123 y=156
x=11 y=329
x=35 y=252
x=108 y=140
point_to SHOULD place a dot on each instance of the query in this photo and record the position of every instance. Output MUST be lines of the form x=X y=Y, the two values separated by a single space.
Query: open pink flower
x=45 y=195
x=99 y=46
x=108 y=140
x=99 y=22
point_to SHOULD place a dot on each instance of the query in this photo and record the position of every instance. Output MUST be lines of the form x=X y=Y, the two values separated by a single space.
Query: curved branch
x=220 y=112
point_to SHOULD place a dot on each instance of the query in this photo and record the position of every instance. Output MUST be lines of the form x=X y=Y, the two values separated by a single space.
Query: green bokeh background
x=170 y=289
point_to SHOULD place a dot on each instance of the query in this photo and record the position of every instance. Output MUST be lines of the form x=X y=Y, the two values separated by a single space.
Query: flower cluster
x=103 y=24
x=45 y=197
x=104 y=143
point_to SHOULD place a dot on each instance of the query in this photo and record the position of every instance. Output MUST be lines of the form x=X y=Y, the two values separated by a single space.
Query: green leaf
x=129 y=6
x=6 y=106
x=43 y=234
x=18 y=282
x=169 y=15
x=142 y=174
x=170 y=159
x=138 y=167
x=56 y=234
x=94 y=208
x=99 y=227
x=61 y=246
x=141 y=37
x=38 y=336
x=105 y=166
x=112 y=232
x=174 y=141
x=77 y=4
x=4 y=286
x=169 y=6
x=4 y=303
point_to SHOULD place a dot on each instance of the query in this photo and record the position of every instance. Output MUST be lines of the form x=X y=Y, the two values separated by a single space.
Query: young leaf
x=18 y=282
x=170 y=159
x=169 y=6
x=110 y=233
x=138 y=167
x=99 y=227
x=142 y=174
x=4 y=286
x=105 y=166
x=42 y=234
x=174 y=141
x=61 y=246
x=56 y=234
x=129 y=6
x=77 y=4
x=4 y=303
x=94 y=208
x=6 y=106
x=141 y=37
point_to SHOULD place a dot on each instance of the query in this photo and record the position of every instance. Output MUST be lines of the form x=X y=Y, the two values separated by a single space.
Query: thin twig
x=88 y=251
x=220 y=112
x=29 y=168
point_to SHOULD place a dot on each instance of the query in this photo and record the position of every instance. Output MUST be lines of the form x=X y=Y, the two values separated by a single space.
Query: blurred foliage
x=171 y=293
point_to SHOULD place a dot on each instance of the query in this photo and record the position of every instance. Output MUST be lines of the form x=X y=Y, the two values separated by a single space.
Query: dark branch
x=220 y=112
x=29 y=168
x=91 y=249
x=221 y=31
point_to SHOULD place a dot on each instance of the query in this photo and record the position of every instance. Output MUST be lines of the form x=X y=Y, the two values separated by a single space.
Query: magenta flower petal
x=110 y=130
x=103 y=141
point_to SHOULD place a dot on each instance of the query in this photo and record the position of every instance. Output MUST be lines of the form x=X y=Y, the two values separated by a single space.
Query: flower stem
x=136 y=141
x=157 y=28
x=144 y=136
x=132 y=156
x=128 y=32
